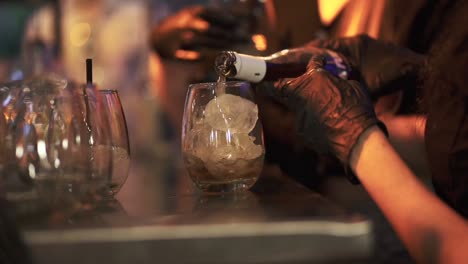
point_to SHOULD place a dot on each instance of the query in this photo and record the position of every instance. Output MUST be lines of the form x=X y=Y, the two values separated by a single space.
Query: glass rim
x=108 y=91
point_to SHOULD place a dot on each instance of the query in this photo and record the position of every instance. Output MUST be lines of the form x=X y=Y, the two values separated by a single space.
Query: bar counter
x=161 y=218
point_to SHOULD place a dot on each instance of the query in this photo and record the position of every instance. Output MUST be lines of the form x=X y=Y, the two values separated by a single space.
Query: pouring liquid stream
x=220 y=89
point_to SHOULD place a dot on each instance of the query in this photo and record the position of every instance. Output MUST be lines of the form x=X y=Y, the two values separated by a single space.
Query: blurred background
x=58 y=35
x=151 y=50
x=141 y=48
x=136 y=46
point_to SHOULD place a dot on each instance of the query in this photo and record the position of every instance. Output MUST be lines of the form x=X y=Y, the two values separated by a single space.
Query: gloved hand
x=285 y=149
x=198 y=32
x=382 y=67
x=330 y=113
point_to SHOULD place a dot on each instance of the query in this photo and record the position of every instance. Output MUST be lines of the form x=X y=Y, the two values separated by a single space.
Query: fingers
x=198 y=24
x=233 y=36
x=381 y=66
x=316 y=63
x=199 y=41
x=219 y=17
x=194 y=31
x=224 y=24
x=285 y=88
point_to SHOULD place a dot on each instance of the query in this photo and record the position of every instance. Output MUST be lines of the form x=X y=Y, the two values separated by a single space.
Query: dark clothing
x=438 y=28
x=416 y=25
x=446 y=102
x=447 y=151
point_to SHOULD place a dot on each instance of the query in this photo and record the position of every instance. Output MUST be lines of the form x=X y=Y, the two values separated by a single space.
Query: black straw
x=89 y=84
x=89 y=71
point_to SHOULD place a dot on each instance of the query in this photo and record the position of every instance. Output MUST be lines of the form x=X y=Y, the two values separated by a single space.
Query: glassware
x=22 y=129
x=4 y=91
x=100 y=153
x=222 y=138
x=65 y=151
x=119 y=141
x=76 y=141
x=50 y=157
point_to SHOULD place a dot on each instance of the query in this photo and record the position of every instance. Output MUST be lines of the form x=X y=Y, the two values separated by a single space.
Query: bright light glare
x=41 y=149
x=19 y=151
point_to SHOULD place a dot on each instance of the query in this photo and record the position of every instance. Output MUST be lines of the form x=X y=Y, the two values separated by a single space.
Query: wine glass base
x=239 y=185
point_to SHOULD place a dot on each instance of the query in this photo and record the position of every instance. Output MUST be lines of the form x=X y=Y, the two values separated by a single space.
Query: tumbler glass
x=50 y=156
x=119 y=142
x=100 y=141
x=222 y=138
x=74 y=165
x=25 y=112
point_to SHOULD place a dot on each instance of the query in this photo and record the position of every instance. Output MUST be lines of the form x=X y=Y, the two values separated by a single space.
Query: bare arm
x=407 y=138
x=432 y=232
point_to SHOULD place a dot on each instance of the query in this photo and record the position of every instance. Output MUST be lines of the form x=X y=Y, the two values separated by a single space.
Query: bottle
x=231 y=64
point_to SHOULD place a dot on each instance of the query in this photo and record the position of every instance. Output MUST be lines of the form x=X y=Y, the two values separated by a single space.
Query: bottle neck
x=256 y=69
x=249 y=68
x=284 y=70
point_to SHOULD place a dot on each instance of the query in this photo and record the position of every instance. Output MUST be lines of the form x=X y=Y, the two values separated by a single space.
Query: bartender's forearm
x=407 y=138
x=429 y=228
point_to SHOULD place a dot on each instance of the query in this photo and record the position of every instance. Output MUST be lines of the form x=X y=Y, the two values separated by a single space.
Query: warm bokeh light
x=42 y=149
x=32 y=170
x=354 y=22
x=271 y=14
x=19 y=151
x=187 y=55
x=80 y=34
x=356 y=17
x=376 y=17
x=329 y=10
x=260 y=42
x=98 y=74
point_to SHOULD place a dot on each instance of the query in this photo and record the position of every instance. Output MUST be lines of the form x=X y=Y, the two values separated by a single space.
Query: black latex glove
x=283 y=147
x=199 y=30
x=330 y=113
x=382 y=67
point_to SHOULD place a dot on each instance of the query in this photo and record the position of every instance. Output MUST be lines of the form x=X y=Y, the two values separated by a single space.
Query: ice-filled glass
x=222 y=138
